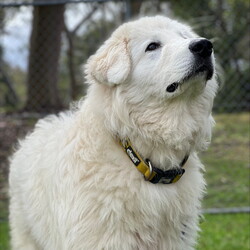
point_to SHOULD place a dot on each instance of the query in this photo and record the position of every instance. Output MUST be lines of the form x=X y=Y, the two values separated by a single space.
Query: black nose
x=201 y=48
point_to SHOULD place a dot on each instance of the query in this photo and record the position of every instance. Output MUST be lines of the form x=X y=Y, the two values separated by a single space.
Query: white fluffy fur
x=71 y=184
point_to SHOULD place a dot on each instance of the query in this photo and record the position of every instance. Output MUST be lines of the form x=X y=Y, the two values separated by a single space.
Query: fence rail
x=226 y=210
x=48 y=3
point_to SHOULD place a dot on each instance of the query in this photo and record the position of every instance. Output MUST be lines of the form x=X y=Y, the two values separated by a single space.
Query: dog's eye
x=152 y=46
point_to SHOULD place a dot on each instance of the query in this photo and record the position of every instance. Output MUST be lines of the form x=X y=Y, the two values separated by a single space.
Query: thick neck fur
x=163 y=132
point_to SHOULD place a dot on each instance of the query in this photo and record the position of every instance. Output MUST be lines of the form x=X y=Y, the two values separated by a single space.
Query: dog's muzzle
x=202 y=50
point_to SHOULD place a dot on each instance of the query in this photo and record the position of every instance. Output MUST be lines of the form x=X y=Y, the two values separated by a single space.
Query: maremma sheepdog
x=121 y=171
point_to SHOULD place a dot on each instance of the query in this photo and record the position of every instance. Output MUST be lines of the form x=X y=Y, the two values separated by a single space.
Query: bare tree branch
x=70 y=34
x=78 y=26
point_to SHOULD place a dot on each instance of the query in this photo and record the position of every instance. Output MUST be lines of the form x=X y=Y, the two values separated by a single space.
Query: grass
x=227 y=175
x=4 y=237
x=227 y=162
x=225 y=232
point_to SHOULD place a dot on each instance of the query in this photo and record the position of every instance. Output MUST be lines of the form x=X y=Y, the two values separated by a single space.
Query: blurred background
x=43 y=46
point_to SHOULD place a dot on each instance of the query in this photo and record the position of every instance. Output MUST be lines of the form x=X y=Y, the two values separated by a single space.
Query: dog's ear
x=111 y=64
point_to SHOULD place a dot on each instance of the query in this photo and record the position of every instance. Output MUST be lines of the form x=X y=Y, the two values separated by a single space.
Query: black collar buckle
x=167 y=177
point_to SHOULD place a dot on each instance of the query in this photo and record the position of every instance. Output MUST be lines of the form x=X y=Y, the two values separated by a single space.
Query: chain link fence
x=44 y=44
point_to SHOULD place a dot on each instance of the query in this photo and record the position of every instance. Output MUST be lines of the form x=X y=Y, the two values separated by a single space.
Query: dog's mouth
x=205 y=70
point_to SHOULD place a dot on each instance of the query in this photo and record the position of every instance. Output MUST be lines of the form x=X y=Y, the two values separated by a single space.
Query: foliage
x=18 y=80
x=225 y=22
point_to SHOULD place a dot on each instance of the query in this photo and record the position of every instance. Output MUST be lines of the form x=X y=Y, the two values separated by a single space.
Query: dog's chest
x=156 y=218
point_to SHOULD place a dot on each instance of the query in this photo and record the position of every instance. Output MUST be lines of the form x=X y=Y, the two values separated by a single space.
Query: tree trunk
x=135 y=7
x=71 y=36
x=11 y=97
x=74 y=87
x=45 y=45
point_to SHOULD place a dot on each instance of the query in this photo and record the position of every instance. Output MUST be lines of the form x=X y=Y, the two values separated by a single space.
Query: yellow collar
x=151 y=173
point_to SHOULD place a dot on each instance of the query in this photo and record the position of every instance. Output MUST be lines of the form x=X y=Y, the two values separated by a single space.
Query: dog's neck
x=165 y=146
x=160 y=155
x=165 y=133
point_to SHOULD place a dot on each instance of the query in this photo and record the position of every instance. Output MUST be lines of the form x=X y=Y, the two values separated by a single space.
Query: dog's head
x=154 y=56
x=156 y=78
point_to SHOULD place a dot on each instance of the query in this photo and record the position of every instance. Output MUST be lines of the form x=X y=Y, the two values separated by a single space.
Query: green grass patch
x=225 y=232
x=4 y=235
x=227 y=162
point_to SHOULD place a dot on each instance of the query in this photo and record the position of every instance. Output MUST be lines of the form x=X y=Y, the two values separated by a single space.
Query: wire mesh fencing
x=44 y=44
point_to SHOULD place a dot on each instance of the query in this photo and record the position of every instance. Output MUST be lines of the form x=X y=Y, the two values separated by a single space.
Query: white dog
x=110 y=175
